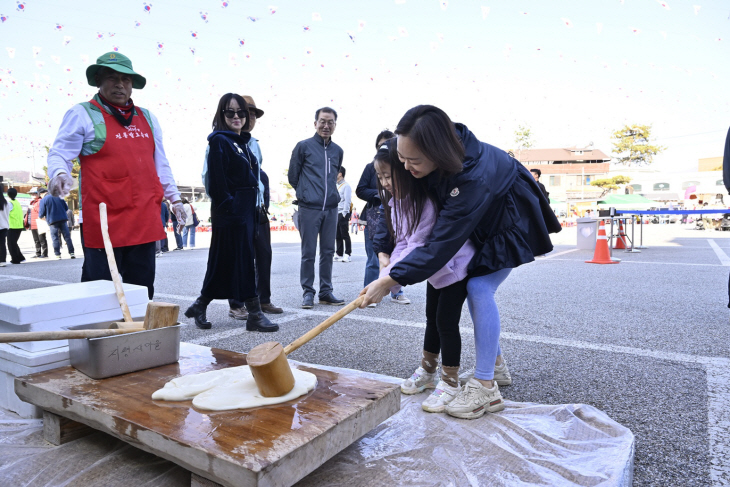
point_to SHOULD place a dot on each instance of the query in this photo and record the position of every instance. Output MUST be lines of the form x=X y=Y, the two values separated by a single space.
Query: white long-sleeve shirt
x=77 y=128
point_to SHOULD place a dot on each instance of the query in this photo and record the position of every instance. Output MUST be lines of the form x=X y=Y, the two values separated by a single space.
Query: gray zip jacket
x=313 y=173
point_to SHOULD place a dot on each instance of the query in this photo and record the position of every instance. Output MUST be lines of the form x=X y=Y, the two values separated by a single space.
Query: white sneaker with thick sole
x=474 y=400
x=419 y=382
x=336 y=258
x=400 y=299
x=440 y=397
x=346 y=258
x=502 y=375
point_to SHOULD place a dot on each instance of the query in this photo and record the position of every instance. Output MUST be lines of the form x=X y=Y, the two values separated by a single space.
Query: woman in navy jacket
x=484 y=195
x=233 y=188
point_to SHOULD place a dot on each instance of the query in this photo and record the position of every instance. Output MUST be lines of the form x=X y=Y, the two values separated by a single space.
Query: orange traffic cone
x=602 y=254
x=621 y=239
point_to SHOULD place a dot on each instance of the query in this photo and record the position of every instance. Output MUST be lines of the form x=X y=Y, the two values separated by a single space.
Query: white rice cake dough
x=231 y=388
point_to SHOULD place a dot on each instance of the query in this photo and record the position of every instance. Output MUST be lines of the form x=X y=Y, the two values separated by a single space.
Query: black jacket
x=544 y=191
x=232 y=180
x=313 y=173
x=367 y=189
x=495 y=202
x=267 y=194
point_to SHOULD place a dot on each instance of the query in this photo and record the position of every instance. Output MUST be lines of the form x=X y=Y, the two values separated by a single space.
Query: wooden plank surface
x=272 y=445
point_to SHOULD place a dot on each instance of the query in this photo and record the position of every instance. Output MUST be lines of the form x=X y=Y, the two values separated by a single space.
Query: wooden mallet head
x=268 y=363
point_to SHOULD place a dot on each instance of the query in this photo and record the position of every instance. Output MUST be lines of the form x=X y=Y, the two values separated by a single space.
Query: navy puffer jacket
x=495 y=202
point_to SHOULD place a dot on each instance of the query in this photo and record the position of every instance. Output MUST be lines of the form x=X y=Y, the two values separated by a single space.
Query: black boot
x=257 y=321
x=197 y=311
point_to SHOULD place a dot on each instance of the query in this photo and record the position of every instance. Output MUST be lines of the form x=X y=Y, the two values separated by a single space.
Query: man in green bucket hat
x=123 y=165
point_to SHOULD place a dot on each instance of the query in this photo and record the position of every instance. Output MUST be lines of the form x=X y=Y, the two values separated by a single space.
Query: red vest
x=122 y=175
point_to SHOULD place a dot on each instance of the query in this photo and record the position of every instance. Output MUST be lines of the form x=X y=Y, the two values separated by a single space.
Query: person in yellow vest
x=123 y=164
x=16 y=226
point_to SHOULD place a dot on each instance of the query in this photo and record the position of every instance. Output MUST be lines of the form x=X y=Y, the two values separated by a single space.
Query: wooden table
x=266 y=446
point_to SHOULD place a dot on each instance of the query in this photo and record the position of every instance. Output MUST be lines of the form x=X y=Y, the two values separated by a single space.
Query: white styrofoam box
x=137 y=311
x=9 y=370
x=32 y=359
x=50 y=303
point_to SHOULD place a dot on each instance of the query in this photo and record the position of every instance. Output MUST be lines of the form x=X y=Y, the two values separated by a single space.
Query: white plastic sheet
x=526 y=444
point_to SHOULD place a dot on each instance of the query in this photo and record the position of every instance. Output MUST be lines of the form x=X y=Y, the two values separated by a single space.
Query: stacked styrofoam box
x=48 y=309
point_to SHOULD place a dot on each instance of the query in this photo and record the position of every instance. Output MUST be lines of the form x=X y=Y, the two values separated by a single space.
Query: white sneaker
x=474 y=400
x=440 y=397
x=502 y=375
x=418 y=382
x=400 y=299
x=2 y=264
x=346 y=258
x=336 y=258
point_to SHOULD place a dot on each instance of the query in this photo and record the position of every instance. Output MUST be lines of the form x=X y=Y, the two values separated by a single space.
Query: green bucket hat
x=118 y=62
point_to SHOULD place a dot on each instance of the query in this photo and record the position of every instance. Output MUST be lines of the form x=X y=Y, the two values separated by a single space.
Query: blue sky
x=571 y=70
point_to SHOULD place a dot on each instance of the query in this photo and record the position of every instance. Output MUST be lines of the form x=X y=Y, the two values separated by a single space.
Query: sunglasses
x=231 y=113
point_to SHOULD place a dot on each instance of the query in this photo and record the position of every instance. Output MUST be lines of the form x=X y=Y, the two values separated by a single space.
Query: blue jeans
x=372 y=267
x=190 y=229
x=485 y=315
x=57 y=229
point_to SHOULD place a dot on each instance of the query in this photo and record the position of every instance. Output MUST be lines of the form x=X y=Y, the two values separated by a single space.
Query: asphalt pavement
x=646 y=341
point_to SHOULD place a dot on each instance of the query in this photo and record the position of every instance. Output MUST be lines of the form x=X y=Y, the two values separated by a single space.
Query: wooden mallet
x=268 y=363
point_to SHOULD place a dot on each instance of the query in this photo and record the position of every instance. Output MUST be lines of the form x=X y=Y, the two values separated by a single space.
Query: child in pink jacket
x=410 y=216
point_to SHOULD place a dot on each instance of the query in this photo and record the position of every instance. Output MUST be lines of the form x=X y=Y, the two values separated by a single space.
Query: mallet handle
x=323 y=326
x=113 y=263
x=32 y=336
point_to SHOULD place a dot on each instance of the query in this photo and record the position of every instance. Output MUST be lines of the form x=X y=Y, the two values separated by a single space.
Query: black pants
x=443 y=313
x=136 y=265
x=262 y=245
x=343 y=222
x=3 y=236
x=16 y=256
x=41 y=245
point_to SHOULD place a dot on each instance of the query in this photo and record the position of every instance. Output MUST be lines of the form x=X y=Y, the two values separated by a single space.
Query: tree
x=632 y=145
x=523 y=137
x=290 y=194
x=610 y=184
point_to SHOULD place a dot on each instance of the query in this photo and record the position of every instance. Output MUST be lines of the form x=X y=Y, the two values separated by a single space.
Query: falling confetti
x=58 y=28
x=316 y=17
x=272 y=10
x=225 y=4
x=160 y=47
x=663 y=4
x=67 y=69
x=567 y=22
x=99 y=36
x=241 y=42
x=204 y=16
x=192 y=50
x=360 y=25
x=111 y=34
x=485 y=12
x=444 y=4
x=3 y=18
x=252 y=19
x=635 y=30
x=351 y=36
x=147 y=7
x=194 y=34
x=36 y=51
x=306 y=28
x=20 y=7
x=11 y=52
x=66 y=40
x=115 y=48
x=137 y=23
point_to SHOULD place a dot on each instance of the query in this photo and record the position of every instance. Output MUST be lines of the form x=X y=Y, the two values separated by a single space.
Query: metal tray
x=100 y=358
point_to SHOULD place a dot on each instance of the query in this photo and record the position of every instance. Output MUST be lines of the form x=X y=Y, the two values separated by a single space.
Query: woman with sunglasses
x=232 y=182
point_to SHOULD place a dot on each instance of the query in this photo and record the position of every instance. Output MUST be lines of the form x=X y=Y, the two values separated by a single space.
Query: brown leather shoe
x=271 y=309
x=238 y=313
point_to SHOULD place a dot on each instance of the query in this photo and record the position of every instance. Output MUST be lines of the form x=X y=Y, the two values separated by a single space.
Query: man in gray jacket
x=313 y=170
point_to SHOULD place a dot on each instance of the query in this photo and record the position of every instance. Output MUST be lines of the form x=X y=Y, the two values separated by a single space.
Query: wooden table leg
x=198 y=481
x=58 y=430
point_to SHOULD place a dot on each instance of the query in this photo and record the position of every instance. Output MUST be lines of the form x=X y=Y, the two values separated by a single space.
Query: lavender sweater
x=453 y=271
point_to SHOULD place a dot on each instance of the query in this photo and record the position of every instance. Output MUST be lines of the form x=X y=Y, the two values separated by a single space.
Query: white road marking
x=238 y=331
x=647 y=262
x=551 y=255
x=724 y=259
